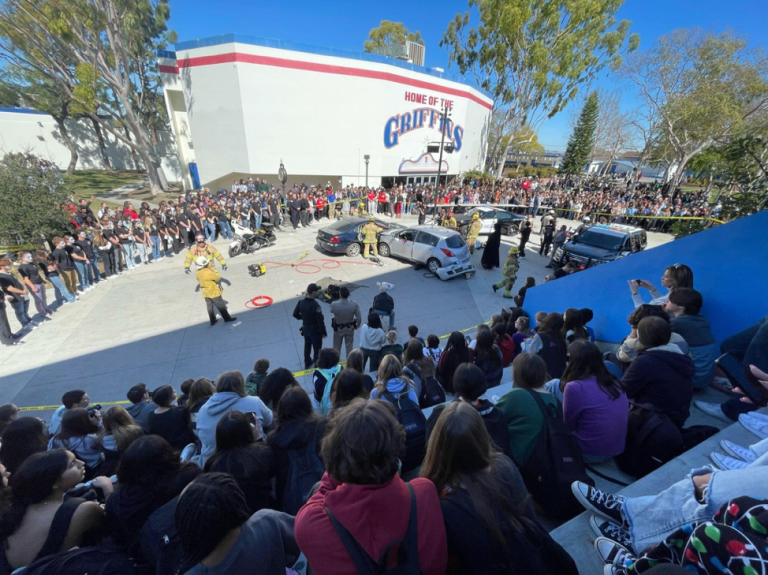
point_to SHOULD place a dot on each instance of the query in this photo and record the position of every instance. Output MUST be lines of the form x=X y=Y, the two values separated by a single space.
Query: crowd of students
x=253 y=469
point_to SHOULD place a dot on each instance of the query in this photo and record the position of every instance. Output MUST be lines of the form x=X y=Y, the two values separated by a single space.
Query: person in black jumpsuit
x=313 y=324
x=525 y=233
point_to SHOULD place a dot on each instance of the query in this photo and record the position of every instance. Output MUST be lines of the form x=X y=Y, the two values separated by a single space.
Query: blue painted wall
x=730 y=269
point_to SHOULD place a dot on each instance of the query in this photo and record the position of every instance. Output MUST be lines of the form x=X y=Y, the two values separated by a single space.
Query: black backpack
x=87 y=560
x=412 y=419
x=555 y=355
x=407 y=554
x=160 y=544
x=432 y=393
x=652 y=440
x=555 y=463
x=304 y=471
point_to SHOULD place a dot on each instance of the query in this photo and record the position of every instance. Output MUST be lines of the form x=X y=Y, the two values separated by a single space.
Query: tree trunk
x=102 y=146
x=73 y=155
x=507 y=148
x=710 y=179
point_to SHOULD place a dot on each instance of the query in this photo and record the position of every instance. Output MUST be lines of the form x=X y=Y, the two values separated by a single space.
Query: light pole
x=367 y=158
x=446 y=114
x=282 y=175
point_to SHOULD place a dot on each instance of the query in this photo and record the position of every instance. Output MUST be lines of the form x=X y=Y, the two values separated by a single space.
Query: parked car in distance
x=344 y=236
x=601 y=243
x=433 y=246
x=510 y=222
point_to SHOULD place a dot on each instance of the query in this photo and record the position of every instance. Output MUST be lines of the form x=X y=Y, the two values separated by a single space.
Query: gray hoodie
x=217 y=407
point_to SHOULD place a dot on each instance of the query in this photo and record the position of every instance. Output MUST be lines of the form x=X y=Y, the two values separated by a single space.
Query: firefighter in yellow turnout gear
x=202 y=249
x=450 y=222
x=474 y=231
x=370 y=239
x=509 y=273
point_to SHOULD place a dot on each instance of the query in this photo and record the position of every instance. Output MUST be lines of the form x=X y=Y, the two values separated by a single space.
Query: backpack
x=555 y=355
x=160 y=544
x=407 y=553
x=555 y=463
x=412 y=419
x=90 y=560
x=652 y=440
x=432 y=393
x=305 y=469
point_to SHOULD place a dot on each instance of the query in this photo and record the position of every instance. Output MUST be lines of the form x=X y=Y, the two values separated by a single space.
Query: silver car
x=432 y=246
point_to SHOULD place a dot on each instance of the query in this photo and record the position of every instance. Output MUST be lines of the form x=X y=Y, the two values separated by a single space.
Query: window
x=487 y=215
x=407 y=235
x=455 y=242
x=600 y=240
x=427 y=239
x=503 y=216
x=341 y=227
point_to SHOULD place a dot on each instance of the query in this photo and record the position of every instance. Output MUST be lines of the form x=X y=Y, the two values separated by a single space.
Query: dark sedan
x=345 y=236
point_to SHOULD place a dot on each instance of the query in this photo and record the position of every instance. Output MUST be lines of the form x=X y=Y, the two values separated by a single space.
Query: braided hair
x=32 y=483
x=208 y=509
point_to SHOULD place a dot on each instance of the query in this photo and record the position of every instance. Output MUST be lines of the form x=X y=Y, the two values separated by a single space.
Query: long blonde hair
x=119 y=424
x=390 y=368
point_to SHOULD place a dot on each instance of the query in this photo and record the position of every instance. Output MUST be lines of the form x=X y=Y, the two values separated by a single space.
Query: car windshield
x=598 y=240
x=341 y=226
x=455 y=242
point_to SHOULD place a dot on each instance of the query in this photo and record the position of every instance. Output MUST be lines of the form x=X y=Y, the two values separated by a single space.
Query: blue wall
x=730 y=269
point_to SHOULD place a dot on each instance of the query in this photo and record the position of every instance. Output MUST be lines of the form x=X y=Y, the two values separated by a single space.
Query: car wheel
x=353 y=250
x=233 y=251
x=384 y=250
x=433 y=264
x=511 y=229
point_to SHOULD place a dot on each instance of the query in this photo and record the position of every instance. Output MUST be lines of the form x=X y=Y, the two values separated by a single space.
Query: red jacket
x=320 y=203
x=372 y=196
x=382 y=197
x=374 y=515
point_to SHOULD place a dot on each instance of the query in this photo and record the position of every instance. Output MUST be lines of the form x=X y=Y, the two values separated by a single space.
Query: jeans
x=95 y=269
x=129 y=255
x=22 y=311
x=210 y=231
x=83 y=274
x=62 y=293
x=652 y=518
x=375 y=357
x=39 y=298
x=155 y=241
x=257 y=221
x=390 y=315
x=226 y=230
x=142 y=249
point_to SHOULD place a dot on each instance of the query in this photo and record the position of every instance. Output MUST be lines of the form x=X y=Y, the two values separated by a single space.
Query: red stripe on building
x=327 y=69
x=168 y=69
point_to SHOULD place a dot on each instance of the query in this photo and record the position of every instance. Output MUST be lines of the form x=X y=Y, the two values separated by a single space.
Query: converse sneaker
x=755 y=425
x=612 y=553
x=713 y=410
x=757 y=416
x=610 y=530
x=726 y=462
x=737 y=451
x=604 y=504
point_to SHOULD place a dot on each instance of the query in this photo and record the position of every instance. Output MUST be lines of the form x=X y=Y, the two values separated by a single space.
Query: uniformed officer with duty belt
x=346 y=319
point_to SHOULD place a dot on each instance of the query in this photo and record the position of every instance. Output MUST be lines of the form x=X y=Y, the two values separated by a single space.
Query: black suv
x=601 y=243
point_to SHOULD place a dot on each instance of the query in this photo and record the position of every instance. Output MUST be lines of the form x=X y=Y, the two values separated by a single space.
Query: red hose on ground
x=322 y=264
x=251 y=303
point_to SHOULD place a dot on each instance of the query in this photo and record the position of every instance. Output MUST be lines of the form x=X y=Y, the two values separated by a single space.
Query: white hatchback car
x=437 y=248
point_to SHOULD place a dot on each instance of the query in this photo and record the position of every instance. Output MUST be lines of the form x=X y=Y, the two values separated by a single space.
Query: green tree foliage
x=703 y=88
x=32 y=198
x=579 y=150
x=524 y=141
x=534 y=55
x=98 y=53
x=389 y=33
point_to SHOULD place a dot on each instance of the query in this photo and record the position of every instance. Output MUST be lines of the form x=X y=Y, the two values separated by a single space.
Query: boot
x=495 y=288
x=507 y=294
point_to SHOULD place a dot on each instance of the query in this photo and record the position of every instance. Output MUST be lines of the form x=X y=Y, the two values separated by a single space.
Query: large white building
x=239 y=105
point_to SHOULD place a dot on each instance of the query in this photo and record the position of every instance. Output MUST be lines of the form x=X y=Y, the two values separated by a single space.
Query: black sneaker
x=230 y=319
x=610 y=530
x=606 y=505
x=214 y=322
x=495 y=289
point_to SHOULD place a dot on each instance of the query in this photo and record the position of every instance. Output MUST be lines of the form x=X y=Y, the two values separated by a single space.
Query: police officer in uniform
x=313 y=324
x=370 y=240
x=346 y=319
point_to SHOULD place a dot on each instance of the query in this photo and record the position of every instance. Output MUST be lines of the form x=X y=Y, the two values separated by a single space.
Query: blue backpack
x=304 y=472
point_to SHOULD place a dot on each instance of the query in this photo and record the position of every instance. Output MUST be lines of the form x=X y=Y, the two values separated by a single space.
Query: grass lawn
x=87 y=183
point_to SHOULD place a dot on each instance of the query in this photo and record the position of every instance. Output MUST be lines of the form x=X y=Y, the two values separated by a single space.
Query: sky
x=345 y=24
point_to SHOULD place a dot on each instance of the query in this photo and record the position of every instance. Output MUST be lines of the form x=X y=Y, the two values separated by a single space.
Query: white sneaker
x=713 y=410
x=737 y=451
x=757 y=416
x=726 y=463
x=754 y=425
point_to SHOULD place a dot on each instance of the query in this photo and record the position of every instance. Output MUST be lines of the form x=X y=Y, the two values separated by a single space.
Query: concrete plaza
x=150 y=325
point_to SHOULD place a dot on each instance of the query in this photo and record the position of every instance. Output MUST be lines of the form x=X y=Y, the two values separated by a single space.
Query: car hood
x=462 y=218
x=587 y=251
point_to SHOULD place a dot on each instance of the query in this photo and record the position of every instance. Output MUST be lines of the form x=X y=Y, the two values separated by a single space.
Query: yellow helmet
x=475 y=216
x=514 y=250
x=370 y=219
